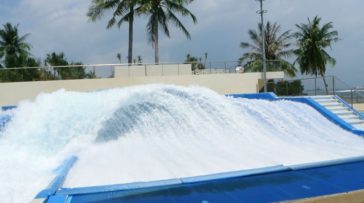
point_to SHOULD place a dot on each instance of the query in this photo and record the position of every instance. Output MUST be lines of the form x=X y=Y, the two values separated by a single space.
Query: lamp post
x=264 y=74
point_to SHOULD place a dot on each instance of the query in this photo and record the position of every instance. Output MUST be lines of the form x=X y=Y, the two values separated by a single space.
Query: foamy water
x=158 y=132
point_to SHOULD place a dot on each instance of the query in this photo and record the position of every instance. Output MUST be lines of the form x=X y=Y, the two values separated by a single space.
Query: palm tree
x=277 y=50
x=124 y=10
x=160 y=13
x=13 y=47
x=312 y=40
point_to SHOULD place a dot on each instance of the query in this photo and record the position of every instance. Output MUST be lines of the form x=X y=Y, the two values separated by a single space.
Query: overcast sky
x=62 y=25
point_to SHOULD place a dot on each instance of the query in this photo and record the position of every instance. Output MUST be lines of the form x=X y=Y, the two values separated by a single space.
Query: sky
x=62 y=25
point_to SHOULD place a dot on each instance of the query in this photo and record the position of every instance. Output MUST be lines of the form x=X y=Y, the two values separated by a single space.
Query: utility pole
x=264 y=74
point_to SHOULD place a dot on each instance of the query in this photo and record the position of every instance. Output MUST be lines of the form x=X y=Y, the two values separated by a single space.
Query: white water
x=158 y=132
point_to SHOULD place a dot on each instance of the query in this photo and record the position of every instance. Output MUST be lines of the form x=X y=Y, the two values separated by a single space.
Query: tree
x=139 y=60
x=13 y=48
x=15 y=52
x=195 y=62
x=119 y=56
x=277 y=50
x=285 y=88
x=71 y=70
x=160 y=13
x=123 y=11
x=312 y=40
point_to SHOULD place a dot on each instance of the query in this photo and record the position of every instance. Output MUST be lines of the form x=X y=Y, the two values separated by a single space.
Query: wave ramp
x=156 y=132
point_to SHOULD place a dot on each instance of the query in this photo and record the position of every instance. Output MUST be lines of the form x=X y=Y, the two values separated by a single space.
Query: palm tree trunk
x=131 y=27
x=156 y=48
x=325 y=83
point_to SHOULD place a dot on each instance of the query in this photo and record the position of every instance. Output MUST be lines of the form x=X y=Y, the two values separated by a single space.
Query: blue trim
x=171 y=182
x=234 y=174
x=118 y=187
x=272 y=187
x=57 y=199
x=57 y=182
x=106 y=192
x=205 y=178
x=326 y=163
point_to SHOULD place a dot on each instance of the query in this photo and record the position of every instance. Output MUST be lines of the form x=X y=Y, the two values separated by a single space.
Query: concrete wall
x=12 y=93
x=152 y=70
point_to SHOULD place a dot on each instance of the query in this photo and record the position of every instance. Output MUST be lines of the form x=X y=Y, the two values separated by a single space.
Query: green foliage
x=312 y=40
x=13 y=48
x=162 y=12
x=76 y=71
x=138 y=60
x=122 y=11
x=286 y=88
x=15 y=52
x=31 y=74
x=195 y=62
x=277 y=50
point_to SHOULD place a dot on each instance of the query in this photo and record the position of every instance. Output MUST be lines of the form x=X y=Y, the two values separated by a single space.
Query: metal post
x=264 y=76
x=357 y=98
x=333 y=85
x=315 y=85
x=351 y=98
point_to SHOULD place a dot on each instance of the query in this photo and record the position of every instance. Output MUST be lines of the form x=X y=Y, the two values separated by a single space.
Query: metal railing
x=89 y=71
x=315 y=86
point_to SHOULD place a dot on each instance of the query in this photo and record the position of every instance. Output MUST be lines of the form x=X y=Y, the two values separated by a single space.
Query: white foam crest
x=157 y=132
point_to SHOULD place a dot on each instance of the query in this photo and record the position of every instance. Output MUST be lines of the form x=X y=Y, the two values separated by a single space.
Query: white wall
x=152 y=70
x=12 y=93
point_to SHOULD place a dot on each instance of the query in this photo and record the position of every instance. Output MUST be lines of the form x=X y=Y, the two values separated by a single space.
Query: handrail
x=350 y=107
x=115 y=64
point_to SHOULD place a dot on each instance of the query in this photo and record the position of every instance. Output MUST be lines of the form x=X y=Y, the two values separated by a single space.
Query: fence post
x=333 y=85
x=357 y=98
x=351 y=98
x=315 y=85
